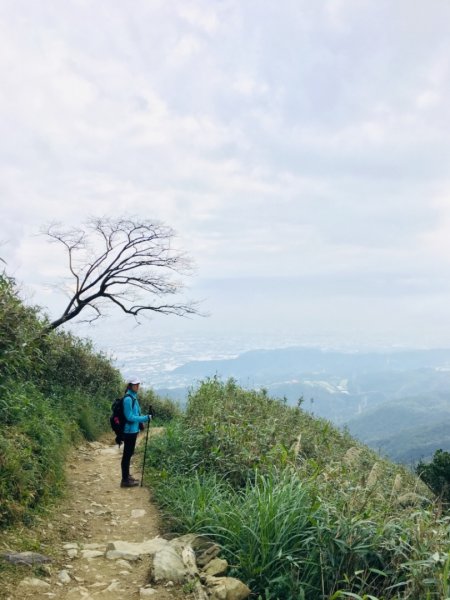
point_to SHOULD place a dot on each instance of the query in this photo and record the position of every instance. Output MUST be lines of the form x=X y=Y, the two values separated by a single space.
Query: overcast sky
x=300 y=149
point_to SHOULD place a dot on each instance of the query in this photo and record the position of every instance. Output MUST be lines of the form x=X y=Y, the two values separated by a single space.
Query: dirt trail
x=96 y=510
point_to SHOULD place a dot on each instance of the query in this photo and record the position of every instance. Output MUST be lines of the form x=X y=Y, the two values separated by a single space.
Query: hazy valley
x=396 y=401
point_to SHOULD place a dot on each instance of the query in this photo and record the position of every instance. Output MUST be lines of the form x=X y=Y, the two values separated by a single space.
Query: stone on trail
x=183 y=547
x=79 y=593
x=205 y=550
x=226 y=588
x=34 y=583
x=101 y=547
x=92 y=554
x=25 y=558
x=218 y=566
x=123 y=563
x=146 y=592
x=168 y=565
x=138 y=513
x=134 y=550
x=64 y=576
x=114 y=586
x=96 y=445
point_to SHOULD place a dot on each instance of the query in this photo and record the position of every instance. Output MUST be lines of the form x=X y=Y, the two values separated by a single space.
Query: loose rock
x=92 y=553
x=114 y=586
x=133 y=551
x=64 y=577
x=34 y=583
x=26 y=558
x=218 y=566
x=227 y=588
x=168 y=565
x=146 y=592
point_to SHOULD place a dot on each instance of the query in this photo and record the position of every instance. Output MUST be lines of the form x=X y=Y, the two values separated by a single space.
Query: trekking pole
x=145 y=453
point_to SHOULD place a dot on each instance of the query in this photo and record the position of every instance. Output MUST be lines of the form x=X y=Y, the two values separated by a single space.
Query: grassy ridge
x=54 y=389
x=301 y=509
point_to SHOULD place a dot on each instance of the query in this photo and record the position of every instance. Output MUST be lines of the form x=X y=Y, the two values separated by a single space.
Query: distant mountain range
x=397 y=402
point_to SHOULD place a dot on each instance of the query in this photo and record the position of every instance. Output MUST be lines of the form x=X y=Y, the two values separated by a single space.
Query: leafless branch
x=126 y=262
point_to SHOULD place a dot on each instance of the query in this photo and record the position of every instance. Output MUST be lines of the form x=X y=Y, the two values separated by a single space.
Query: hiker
x=134 y=422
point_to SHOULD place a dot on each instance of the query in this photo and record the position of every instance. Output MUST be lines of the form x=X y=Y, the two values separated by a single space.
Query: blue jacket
x=132 y=412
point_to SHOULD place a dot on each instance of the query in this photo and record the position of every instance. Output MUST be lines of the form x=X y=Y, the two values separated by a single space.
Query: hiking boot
x=128 y=483
x=130 y=478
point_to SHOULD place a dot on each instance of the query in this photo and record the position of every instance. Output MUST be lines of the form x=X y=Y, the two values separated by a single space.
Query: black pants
x=129 y=444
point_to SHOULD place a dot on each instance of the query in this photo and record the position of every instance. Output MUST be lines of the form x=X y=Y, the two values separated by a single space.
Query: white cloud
x=428 y=99
x=201 y=16
x=185 y=48
x=303 y=140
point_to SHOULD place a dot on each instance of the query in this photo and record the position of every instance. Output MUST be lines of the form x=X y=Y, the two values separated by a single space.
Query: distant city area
x=395 y=400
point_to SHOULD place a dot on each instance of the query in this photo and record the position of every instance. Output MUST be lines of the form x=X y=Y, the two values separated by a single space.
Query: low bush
x=236 y=431
x=265 y=529
x=301 y=509
x=436 y=474
x=20 y=356
x=164 y=409
x=54 y=389
x=32 y=449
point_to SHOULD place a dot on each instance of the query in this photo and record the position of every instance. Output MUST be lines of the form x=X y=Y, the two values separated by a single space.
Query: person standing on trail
x=134 y=422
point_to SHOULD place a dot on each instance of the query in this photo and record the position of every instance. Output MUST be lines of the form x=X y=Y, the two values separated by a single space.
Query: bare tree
x=127 y=263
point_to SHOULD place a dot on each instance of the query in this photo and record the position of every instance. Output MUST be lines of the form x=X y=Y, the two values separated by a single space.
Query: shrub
x=164 y=409
x=237 y=431
x=72 y=364
x=270 y=482
x=19 y=328
x=436 y=474
x=32 y=451
x=265 y=529
x=53 y=389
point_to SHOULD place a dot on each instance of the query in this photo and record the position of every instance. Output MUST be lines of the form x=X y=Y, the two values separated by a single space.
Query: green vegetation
x=54 y=390
x=436 y=474
x=300 y=509
x=162 y=409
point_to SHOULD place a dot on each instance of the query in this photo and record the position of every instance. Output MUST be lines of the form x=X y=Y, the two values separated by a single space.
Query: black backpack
x=117 y=418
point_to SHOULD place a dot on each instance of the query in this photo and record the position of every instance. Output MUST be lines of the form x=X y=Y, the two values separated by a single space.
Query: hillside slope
x=406 y=430
x=302 y=509
x=345 y=388
x=55 y=390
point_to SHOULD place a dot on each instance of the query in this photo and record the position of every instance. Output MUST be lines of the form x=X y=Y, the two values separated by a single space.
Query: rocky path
x=96 y=512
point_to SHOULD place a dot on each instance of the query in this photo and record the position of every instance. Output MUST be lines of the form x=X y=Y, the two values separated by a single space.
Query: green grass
x=301 y=509
x=54 y=389
x=266 y=528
